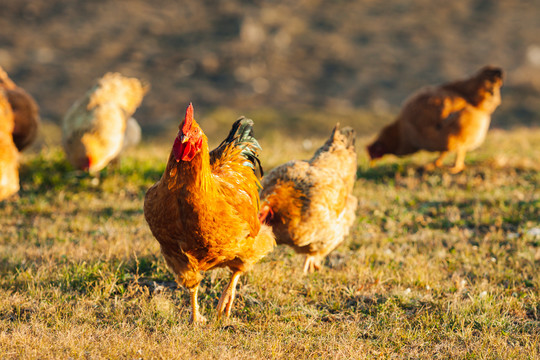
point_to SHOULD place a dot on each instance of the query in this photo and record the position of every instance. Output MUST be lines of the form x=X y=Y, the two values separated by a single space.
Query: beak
x=184 y=138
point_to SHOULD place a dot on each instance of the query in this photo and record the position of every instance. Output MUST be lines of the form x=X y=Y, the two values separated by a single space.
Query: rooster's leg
x=227 y=298
x=460 y=161
x=196 y=317
x=437 y=163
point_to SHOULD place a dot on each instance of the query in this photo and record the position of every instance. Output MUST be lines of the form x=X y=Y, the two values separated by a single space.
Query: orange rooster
x=203 y=210
x=9 y=164
x=309 y=204
x=25 y=112
x=453 y=117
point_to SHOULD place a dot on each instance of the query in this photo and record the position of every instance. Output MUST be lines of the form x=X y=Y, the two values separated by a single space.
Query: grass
x=437 y=266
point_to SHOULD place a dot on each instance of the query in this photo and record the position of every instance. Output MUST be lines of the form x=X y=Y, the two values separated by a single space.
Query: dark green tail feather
x=241 y=135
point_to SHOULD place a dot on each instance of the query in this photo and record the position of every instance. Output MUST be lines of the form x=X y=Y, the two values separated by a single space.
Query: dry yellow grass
x=437 y=266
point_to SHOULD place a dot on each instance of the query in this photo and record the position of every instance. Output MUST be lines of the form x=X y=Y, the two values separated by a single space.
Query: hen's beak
x=184 y=138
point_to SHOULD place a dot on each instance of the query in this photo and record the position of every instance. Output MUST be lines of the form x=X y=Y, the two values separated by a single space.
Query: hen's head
x=491 y=78
x=491 y=73
x=387 y=142
x=376 y=150
x=489 y=82
x=189 y=140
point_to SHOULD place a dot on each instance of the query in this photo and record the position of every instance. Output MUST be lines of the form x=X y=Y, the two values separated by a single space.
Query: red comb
x=188 y=120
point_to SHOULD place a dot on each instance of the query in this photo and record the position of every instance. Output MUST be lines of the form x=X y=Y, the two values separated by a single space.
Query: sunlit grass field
x=437 y=266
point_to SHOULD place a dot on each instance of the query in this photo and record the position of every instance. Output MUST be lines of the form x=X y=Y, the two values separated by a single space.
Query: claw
x=311 y=264
x=437 y=163
x=198 y=319
x=430 y=167
x=456 y=169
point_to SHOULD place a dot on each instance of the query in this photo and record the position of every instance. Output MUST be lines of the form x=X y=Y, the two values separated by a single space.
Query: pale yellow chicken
x=9 y=156
x=94 y=129
x=309 y=204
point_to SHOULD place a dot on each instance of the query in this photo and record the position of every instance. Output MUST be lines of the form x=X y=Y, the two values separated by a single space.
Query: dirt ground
x=265 y=54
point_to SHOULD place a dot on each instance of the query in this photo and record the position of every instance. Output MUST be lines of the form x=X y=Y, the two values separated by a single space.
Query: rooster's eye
x=194 y=134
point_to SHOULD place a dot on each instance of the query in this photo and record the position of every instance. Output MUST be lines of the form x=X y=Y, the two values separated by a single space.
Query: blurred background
x=295 y=66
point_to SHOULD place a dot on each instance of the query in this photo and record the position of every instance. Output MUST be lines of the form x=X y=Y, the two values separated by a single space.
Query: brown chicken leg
x=437 y=163
x=460 y=161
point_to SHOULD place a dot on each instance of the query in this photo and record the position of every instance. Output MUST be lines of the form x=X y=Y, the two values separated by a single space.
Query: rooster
x=25 y=112
x=453 y=117
x=9 y=173
x=309 y=204
x=203 y=210
x=96 y=127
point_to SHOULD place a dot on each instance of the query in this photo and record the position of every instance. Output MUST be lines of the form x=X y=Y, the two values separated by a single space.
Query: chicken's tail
x=347 y=135
x=241 y=135
x=340 y=138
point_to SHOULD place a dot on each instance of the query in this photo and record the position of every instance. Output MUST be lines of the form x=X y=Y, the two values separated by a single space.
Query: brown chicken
x=309 y=204
x=95 y=127
x=453 y=117
x=25 y=112
x=204 y=209
x=9 y=156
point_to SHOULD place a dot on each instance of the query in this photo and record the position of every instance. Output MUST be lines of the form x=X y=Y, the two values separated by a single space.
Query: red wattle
x=188 y=151
x=185 y=151
x=177 y=148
